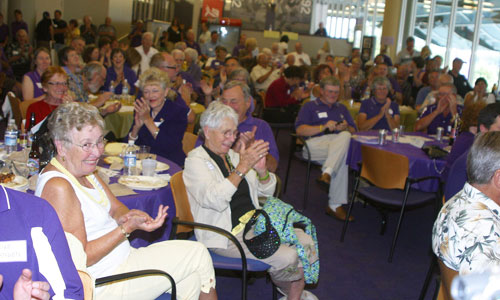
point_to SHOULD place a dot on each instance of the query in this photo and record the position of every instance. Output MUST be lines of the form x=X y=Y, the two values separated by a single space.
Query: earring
x=63 y=158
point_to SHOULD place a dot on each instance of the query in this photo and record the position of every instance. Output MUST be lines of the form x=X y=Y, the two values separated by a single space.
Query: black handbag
x=266 y=243
x=435 y=152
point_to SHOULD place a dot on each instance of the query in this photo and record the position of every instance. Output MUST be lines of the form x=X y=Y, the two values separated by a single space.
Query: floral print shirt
x=466 y=233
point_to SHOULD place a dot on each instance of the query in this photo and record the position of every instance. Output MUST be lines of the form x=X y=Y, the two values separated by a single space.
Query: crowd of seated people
x=261 y=85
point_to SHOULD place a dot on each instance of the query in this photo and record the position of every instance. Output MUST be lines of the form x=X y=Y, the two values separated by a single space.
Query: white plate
x=160 y=167
x=143 y=183
x=19 y=183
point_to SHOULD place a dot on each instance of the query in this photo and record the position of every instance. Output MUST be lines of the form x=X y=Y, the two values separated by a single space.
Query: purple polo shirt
x=315 y=113
x=372 y=107
x=263 y=132
x=15 y=26
x=236 y=50
x=462 y=145
x=195 y=46
x=4 y=32
x=22 y=217
x=37 y=83
x=440 y=120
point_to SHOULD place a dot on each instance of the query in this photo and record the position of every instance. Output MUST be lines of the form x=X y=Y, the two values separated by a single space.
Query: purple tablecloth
x=149 y=201
x=420 y=164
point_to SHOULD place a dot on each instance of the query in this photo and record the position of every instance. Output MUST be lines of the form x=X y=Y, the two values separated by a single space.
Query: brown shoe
x=324 y=179
x=340 y=213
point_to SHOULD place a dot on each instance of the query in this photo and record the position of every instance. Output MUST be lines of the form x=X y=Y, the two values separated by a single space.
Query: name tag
x=15 y=52
x=13 y=251
x=210 y=165
x=391 y=112
x=158 y=123
x=322 y=115
x=39 y=85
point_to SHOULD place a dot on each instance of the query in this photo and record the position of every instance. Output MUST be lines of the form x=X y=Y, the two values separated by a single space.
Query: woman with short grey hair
x=193 y=68
x=223 y=188
x=159 y=120
x=89 y=211
x=379 y=112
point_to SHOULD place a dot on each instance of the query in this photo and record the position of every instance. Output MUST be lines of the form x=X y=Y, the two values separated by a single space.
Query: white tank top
x=98 y=222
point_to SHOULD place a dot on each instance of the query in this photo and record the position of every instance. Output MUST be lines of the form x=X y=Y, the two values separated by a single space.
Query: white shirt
x=304 y=56
x=259 y=71
x=145 y=58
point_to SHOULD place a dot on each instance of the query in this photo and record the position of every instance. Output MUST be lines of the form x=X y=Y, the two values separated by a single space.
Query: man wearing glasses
x=442 y=113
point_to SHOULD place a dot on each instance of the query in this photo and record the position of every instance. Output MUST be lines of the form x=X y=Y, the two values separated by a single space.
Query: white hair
x=215 y=113
x=192 y=53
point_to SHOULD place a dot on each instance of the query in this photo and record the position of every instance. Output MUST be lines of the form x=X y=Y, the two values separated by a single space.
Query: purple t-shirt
x=21 y=215
x=128 y=73
x=195 y=46
x=371 y=108
x=4 y=32
x=462 y=145
x=315 y=113
x=440 y=120
x=37 y=83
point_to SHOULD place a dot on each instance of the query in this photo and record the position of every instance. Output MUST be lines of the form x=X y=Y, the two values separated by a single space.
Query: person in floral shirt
x=466 y=233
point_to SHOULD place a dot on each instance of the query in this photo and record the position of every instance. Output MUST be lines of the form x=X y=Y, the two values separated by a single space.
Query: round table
x=420 y=164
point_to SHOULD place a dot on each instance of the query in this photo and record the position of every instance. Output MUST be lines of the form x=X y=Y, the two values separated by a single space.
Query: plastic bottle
x=130 y=159
x=10 y=138
x=112 y=86
x=125 y=89
x=366 y=94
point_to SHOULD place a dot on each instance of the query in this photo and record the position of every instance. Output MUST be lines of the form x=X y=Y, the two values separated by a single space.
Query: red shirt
x=279 y=94
x=41 y=110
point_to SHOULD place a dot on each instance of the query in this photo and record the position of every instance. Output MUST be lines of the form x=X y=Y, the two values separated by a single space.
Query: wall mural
x=280 y=15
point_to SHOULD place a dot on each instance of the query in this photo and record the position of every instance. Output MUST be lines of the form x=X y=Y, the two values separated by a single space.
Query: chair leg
x=401 y=214
x=351 y=205
x=275 y=292
x=290 y=156
x=428 y=278
x=306 y=187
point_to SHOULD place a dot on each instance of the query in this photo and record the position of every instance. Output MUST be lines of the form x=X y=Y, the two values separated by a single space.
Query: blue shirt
x=23 y=217
x=372 y=107
x=440 y=120
x=208 y=48
x=315 y=113
x=422 y=93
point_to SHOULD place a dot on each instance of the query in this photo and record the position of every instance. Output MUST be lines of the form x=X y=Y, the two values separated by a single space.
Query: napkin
x=164 y=176
x=126 y=108
x=19 y=156
x=417 y=141
x=121 y=190
x=116 y=167
x=107 y=172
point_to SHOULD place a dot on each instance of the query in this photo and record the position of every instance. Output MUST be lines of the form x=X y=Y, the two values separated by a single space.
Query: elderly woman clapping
x=223 y=188
x=89 y=210
x=159 y=121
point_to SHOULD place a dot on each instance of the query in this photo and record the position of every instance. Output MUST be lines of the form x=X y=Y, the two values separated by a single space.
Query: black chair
x=388 y=173
x=220 y=262
x=297 y=144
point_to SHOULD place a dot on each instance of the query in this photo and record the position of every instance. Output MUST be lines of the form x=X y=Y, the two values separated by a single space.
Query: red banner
x=212 y=9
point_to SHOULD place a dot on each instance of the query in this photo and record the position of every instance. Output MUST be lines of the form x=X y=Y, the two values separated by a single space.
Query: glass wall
x=468 y=29
x=351 y=19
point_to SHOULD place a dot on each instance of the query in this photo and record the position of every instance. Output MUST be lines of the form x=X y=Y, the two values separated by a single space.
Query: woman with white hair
x=159 y=122
x=89 y=211
x=193 y=69
x=223 y=188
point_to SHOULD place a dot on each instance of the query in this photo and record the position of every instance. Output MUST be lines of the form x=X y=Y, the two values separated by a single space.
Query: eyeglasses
x=58 y=83
x=169 y=67
x=229 y=134
x=87 y=147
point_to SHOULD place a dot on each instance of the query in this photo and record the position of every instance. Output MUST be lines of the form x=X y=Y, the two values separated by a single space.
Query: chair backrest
x=447 y=276
x=88 y=285
x=24 y=106
x=182 y=207
x=262 y=95
x=16 y=110
x=188 y=142
x=383 y=168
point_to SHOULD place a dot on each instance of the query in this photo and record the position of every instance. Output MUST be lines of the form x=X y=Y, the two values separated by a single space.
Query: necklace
x=103 y=199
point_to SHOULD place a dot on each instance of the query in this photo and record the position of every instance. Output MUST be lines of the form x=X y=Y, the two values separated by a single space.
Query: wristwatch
x=125 y=233
x=239 y=173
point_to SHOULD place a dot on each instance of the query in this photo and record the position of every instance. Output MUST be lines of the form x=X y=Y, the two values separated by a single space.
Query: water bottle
x=130 y=159
x=366 y=94
x=10 y=138
x=112 y=87
x=125 y=90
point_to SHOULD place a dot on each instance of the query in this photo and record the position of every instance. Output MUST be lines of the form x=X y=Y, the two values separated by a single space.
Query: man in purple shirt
x=236 y=94
x=240 y=46
x=379 y=112
x=487 y=120
x=328 y=126
x=31 y=237
x=18 y=24
x=440 y=114
x=4 y=32
x=191 y=43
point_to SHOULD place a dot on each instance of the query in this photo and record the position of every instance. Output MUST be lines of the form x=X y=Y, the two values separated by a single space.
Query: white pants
x=189 y=263
x=331 y=151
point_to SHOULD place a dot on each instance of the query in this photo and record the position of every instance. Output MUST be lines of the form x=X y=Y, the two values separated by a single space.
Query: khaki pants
x=189 y=263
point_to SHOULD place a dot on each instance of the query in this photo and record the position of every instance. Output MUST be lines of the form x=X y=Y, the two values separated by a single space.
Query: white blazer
x=210 y=194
